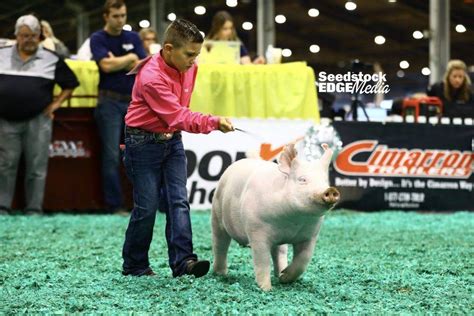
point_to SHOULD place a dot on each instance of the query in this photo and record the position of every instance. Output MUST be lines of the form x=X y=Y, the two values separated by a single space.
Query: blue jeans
x=158 y=173
x=109 y=116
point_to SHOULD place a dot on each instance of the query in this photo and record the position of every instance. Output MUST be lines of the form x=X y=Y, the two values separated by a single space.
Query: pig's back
x=228 y=197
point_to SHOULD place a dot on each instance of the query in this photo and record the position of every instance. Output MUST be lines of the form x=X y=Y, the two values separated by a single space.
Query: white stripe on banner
x=211 y=154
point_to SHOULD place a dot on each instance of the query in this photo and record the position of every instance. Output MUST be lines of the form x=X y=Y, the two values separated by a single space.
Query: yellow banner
x=254 y=91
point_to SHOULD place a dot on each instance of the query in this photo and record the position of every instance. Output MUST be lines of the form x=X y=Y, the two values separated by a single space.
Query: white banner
x=209 y=155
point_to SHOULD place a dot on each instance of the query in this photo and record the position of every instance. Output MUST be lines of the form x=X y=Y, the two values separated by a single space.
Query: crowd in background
x=36 y=60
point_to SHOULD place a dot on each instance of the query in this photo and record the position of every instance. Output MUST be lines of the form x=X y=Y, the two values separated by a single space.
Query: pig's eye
x=302 y=180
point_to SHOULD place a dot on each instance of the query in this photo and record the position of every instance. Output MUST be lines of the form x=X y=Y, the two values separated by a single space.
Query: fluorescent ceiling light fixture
x=231 y=3
x=144 y=23
x=314 y=48
x=460 y=28
x=426 y=71
x=379 y=40
x=350 y=5
x=247 y=26
x=286 y=52
x=313 y=12
x=417 y=34
x=280 y=19
x=404 y=64
x=199 y=10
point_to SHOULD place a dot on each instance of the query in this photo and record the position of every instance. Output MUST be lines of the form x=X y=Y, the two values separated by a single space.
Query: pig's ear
x=327 y=156
x=287 y=156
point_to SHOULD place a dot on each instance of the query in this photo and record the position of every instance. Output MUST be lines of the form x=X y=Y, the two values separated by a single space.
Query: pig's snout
x=331 y=196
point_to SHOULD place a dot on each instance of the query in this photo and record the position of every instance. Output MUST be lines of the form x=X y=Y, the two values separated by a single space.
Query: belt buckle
x=164 y=136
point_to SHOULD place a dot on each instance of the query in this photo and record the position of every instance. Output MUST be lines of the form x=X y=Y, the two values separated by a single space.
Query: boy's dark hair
x=109 y=4
x=180 y=32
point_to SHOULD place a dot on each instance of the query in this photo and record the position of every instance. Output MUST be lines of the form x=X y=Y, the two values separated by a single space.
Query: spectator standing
x=27 y=77
x=116 y=51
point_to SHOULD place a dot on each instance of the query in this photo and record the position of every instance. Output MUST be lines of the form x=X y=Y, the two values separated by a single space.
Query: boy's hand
x=225 y=125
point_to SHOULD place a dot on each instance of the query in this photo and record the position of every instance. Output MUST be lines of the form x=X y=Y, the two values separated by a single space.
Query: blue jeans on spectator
x=109 y=115
x=158 y=173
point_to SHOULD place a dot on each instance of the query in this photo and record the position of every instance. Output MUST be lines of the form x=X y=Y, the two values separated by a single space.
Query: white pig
x=267 y=206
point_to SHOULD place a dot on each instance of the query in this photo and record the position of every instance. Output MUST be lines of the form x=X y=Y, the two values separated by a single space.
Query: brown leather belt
x=115 y=95
x=156 y=136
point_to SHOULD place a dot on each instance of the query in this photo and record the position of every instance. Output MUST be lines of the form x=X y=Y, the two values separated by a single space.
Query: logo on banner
x=353 y=83
x=68 y=149
x=212 y=165
x=401 y=162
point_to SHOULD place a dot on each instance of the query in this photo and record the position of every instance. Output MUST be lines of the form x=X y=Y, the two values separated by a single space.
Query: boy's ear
x=168 y=47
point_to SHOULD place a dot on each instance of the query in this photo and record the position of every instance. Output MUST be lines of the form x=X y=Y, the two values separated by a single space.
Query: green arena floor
x=369 y=263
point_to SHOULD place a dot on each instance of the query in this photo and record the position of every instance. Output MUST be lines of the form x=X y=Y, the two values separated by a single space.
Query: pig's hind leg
x=220 y=245
x=280 y=259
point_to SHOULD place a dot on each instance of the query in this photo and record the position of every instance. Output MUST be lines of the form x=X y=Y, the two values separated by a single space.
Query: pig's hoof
x=285 y=277
x=222 y=272
x=266 y=287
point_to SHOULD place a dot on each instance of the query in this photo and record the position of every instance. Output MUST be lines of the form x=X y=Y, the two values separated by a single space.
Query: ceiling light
x=199 y=10
x=144 y=23
x=392 y=1
x=404 y=64
x=314 y=48
x=417 y=34
x=350 y=5
x=286 y=52
x=231 y=3
x=247 y=26
x=127 y=27
x=280 y=19
x=171 y=16
x=460 y=28
x=400 y=74
x=313 y=12
x=379 y=40
x=426 y=71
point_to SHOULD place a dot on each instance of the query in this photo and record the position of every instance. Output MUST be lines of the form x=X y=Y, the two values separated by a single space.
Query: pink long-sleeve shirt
x=160 y=100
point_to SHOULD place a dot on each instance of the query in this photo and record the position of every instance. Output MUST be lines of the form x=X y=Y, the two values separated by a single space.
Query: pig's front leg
x=302 y=253
x=301 y=258
x=280 y=259
x=262 y=263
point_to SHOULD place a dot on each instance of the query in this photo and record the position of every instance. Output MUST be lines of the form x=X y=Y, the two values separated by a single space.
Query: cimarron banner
x=405 y=166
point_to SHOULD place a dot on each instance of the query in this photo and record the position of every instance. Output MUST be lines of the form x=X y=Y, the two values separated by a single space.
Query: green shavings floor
x=371 y=263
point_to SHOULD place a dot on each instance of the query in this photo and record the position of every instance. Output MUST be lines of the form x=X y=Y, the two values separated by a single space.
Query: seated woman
x=223 y=29
x=454 y=91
